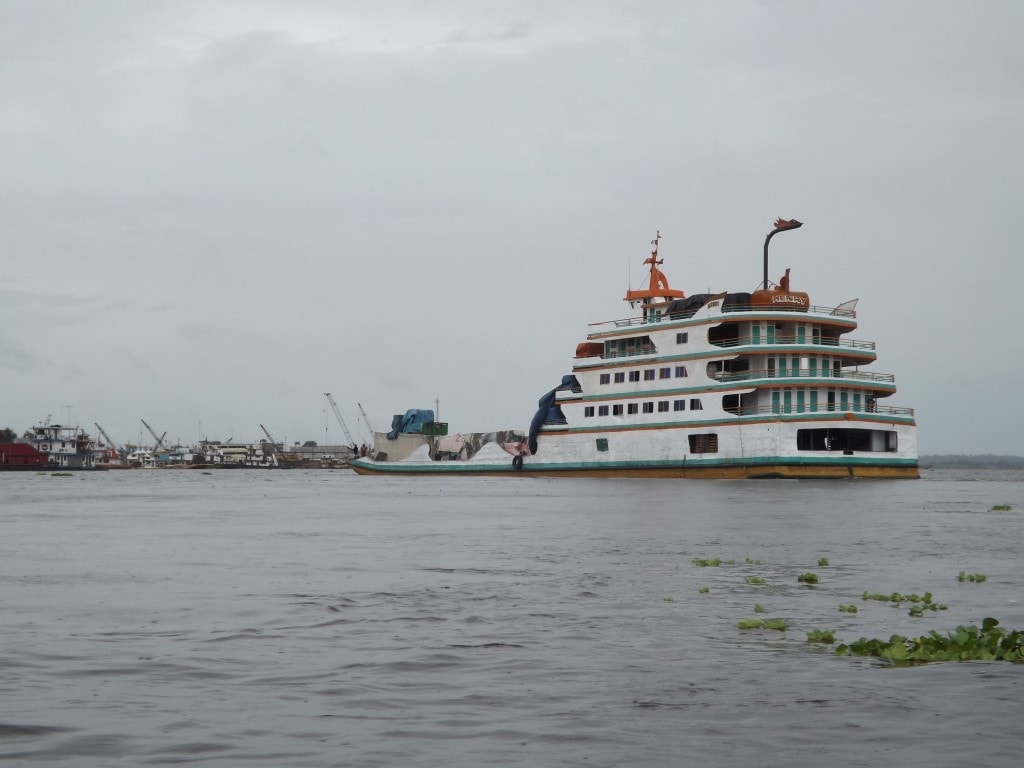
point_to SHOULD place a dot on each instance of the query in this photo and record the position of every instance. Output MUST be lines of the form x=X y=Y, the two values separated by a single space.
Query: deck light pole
x=781 y=225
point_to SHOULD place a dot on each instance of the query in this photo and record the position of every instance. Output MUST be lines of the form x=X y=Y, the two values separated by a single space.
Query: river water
x=318 y=618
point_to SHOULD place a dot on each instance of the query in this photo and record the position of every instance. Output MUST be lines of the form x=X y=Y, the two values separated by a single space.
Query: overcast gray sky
x=211 y=213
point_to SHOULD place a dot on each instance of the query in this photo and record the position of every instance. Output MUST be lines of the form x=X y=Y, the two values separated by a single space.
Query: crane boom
x=110 y=443
x=341 y=421
x=273 y=443
x=159 y=440
x=366 y=420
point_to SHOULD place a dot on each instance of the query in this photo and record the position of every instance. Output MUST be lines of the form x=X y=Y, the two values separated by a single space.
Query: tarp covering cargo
x=411 y=422
x=548 y=412
x=689 y=305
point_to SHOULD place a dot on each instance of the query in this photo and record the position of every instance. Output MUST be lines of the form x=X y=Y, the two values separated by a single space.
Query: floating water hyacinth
x=848 y=608
x=778 y=625
x=968 y=643
x=1001 y=508
x=754 y=580
x=710 y=562
x=807 y=578
x=821 y=636
x=977 y=578
x=822 y=562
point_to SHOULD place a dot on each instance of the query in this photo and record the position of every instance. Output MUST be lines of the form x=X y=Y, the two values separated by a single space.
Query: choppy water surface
x=323 y=619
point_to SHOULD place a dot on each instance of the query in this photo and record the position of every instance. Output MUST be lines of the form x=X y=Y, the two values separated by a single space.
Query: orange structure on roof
x=658 y=287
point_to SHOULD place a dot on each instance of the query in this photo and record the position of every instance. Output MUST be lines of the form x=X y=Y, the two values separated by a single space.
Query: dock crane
x=274 y=444
x=366 y=421
x=275 y=447
x=110 y=443
x=341 y=421
x=159 y=440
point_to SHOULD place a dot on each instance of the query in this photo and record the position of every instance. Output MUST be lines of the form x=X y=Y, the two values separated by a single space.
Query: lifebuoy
x=517 y=463
x=848 y=417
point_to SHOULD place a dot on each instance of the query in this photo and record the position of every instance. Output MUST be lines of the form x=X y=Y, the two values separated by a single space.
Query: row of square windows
x=649 y=374
x=663 y=406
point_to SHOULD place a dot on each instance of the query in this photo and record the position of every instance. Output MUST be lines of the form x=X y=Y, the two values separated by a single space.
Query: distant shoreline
x=983 y=461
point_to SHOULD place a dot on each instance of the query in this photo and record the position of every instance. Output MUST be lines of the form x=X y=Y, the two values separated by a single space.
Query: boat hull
x=807 y=469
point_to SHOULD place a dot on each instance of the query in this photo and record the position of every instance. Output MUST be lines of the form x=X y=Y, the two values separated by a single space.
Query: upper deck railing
x=804 y=373
x=789 y=340
x=816 y=310
x=760 y=410
x=649 y=349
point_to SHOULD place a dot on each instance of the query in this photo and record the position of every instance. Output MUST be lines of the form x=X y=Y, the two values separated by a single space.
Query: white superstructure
x=761 y=384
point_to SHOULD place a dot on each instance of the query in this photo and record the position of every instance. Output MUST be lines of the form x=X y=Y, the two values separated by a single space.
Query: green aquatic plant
x=977 y=578
x=667 y=600
x=968 y=643
x=758 y=608
x=848 y=608
x=752 y=561
x=822 y=562
x=754 y=580
x=807 y=578
x=778 y=625
x=921 y=603
x=821 y=636
x=894 y=597
x=60 y=474
x=710 y=562
x=918 y=609
x=1001 y=508
x=704 y=590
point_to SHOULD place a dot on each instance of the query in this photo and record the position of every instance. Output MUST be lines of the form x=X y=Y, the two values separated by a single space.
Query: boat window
x=649 y=407
x=695 y=404
x=678 y=405
x=704 y=443
x=662 y=406
x=617 y=410
x=606 y=378
x=602 y=444
x=634 y=375
x=588 y=411
x=602 y=410
x=649 y=374
x=680 y=371
x=632 y=408
x=620 y=377
x=846 y=440
x=682 y=338
x=665 y=373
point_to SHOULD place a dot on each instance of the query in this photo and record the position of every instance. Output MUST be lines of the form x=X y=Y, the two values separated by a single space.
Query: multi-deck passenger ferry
x=724 y=385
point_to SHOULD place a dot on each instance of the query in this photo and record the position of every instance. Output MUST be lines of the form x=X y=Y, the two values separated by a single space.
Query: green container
x=435 y=428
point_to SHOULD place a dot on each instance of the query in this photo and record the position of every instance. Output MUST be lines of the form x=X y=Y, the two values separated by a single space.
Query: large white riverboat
x=724 y=385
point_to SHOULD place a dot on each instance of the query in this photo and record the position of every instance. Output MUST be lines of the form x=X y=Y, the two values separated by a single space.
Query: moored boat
x=66 y=448
x=712 y=385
